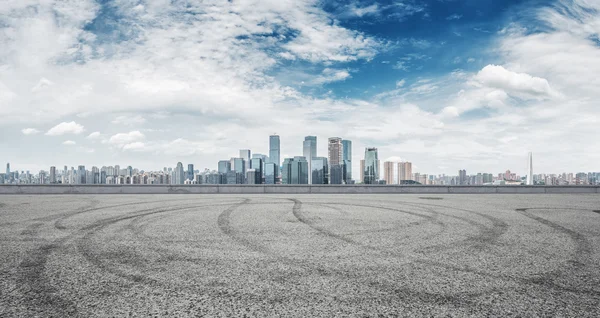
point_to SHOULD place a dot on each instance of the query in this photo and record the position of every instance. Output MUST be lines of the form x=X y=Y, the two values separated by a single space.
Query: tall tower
x=309 y=151
x=530 y=169
x=371 y=175
x=388 y=172
x=336 y=162
x=246 y=155
x=347 y=158
x=274 y=150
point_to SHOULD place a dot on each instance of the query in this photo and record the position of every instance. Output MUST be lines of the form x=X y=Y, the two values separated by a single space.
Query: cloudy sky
x=446 y=84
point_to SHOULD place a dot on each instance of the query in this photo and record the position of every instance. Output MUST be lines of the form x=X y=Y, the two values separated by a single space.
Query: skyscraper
x=347 y=159
x=335 y=155
x=52 y=174
x=362 y=170
x=190 y=172
x=530 y=169
x=320 y=170
x=257 y=166
x=271 y=173
x=224 y=166
x=8 y=169
x=404 y=171
x=388 y=172
x=371 y=166
x=274 y=150
x=245 y=154
x=309 y=151
x=294 y=171
x=239 y=166
x=462 y=177
x=81 y=175
x=179 y=174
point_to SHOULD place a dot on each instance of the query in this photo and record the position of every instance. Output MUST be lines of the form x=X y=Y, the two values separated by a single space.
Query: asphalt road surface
x=300 y=255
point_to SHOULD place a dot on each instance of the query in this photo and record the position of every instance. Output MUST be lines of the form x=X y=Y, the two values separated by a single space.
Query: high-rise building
x=388 y=172
x=362 y=170
x=52 y=175
x=371 y=169
x=335 y=151
x=462 y=177
x=239 y=166
x=271 y=172
x=8 y=169
x=320 y=170
x=179 y=174
x=294 y=171
x=404 y=171
x=252 y=177
x=347 y=158
x=224 y=166
x=274 y=150
x=190 y=172
x=309 y=151
x=257 y=166
x=530 y=169
x=246 y=155
x=81 y=175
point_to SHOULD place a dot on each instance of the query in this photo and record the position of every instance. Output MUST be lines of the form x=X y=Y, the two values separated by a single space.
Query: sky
x=445 y=84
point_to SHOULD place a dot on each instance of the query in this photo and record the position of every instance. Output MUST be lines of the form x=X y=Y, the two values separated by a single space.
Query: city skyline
x=443 y=84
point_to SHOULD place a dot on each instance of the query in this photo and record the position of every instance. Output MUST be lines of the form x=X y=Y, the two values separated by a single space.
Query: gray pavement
x=300 y=255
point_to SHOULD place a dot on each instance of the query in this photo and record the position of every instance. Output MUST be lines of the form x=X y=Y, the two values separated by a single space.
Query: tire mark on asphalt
x=224 y=223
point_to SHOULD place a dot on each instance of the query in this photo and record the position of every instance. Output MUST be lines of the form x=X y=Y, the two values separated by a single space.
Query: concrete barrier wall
x=285 y=189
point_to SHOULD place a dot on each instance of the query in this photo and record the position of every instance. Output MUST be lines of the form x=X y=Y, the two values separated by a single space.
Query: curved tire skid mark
x=224 y=223
x=91 y=230
x=583 y=252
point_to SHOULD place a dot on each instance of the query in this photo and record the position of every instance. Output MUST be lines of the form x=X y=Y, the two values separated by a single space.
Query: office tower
x=362 y=170
x=294 y=171
x=462 y=177
x=65 y=173
x=371 y=174
x=271 y=172
x=190 y=172
x=388 y=172
x=309 y=148
x=252 y=177
x=320 y=170
x=224 y=166
x=81 y=175
x=42 y=177
x=245 y=154
x=404 y=171
x=179 y=174
x=117 y=170
x=274 y=150
x=52 y=175
x=335 y=151
x=8 y=169
x=258 y=167
x=336 y=161
x=530 y=169
x=239 y=166
x=347 y=158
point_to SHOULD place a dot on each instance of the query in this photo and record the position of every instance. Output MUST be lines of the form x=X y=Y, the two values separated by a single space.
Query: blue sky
x=445 y=84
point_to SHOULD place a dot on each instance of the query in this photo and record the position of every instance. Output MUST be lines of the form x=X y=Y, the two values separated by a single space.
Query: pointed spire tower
x=530 y=169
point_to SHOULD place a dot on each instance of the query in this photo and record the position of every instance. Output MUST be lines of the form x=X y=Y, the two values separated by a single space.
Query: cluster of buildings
x=309 y=168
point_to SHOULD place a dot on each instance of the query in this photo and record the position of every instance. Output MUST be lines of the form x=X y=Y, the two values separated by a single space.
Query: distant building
x=347 y=158
x=271 y=173
x=530 y=169
x=274 y=151
x=320 y=170
x=252 y=177
x=246 y=155
x=362 y=170
x=404 y=171
x=239 y=166
x=258 y=166
x=388 y=172
x=371 y=169
x=336 y=174
x=309 y=150
x=462 y=177
x=52 y=175
x=224 y=166
x=294 y=171
x=190 y=172
x=81 y=175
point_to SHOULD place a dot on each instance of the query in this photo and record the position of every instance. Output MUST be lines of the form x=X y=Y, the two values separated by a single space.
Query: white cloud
x=65 y=128
x=134 y=146
x=400 y=83
x=331 y=75
x=122 y=139
x=454 y=17
x=69 y=142
x=30 y=131
x=496 y=76
x=129 y=120
x=94 y=135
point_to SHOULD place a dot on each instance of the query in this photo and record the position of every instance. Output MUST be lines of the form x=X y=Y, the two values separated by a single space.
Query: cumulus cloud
x=122 y=139
x=69 y=142
x=496 y=76
x=66 y=128
x=134 y=146
x=30 y=131
x=331 y=75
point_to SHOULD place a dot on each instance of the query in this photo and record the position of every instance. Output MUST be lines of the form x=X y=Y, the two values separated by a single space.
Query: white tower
x=530 y=169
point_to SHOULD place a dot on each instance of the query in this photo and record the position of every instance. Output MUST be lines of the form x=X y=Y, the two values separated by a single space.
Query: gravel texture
x=300 y=255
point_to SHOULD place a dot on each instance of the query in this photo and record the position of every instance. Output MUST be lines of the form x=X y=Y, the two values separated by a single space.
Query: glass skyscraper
x=274 y=150
x=309 y=151
x=320 y=171
x=270 y=173
x=371 y=173
x=294 y=171
x=347 y=160
x=224 y=166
